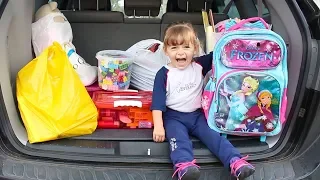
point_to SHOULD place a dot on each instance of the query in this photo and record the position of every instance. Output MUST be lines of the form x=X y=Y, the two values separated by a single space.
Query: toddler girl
x=176 y=107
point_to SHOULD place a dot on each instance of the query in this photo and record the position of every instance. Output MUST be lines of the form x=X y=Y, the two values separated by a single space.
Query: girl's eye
x=173 y=47
x=186 y=46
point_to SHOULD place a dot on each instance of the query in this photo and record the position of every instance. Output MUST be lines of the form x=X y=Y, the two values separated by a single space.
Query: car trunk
x=97 y=30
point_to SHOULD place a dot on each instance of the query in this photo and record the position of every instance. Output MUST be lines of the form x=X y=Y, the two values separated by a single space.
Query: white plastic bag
x=46 y=30
x=147 y=63
x=54 y=27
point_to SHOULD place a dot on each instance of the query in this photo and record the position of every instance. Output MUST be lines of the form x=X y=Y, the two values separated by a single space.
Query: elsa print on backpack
x=249 y=82
x=236 y=101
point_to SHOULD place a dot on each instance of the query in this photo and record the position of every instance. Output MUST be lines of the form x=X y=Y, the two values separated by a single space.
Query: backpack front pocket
x=248 y=102
x=243 y=49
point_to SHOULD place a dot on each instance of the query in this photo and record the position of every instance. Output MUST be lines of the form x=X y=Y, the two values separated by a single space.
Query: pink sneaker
x=187 y=171
x=240 y=168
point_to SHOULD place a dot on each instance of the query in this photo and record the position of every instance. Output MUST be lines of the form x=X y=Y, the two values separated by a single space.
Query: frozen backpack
x=246 y=94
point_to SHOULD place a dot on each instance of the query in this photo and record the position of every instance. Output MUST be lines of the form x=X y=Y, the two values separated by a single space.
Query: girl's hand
x=158 y=130
x=158 y=134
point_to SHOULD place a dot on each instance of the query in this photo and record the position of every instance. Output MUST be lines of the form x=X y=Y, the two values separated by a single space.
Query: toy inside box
x=126 y=109
x=95 y=87
x=114 y=69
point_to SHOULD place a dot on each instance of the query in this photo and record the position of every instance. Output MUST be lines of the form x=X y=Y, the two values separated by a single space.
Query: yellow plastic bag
x=52 y=100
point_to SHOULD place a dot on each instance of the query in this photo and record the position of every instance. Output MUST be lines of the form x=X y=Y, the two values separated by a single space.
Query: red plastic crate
x=124 y=109
x=93 y=88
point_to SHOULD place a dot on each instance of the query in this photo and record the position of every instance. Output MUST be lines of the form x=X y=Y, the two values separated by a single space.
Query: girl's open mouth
x=181 y=59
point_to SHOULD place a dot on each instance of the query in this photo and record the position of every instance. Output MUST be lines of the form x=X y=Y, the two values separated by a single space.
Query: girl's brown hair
x=180 y=33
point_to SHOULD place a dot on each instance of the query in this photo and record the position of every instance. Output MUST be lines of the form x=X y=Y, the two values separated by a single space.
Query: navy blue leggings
x=179 y=125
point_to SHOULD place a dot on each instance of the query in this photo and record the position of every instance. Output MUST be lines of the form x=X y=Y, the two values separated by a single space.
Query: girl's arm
x=159 y=104
x=206 y=62
x=158 y=131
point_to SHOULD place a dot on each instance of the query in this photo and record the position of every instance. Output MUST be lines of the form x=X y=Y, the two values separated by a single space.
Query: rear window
x=222 y=5
x=118 y=5
x=218 y=6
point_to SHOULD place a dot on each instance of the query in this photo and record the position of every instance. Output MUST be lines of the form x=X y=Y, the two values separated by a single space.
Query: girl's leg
x=180 y=144
x=177 y=135
x=222 y=148
x=217 y=144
